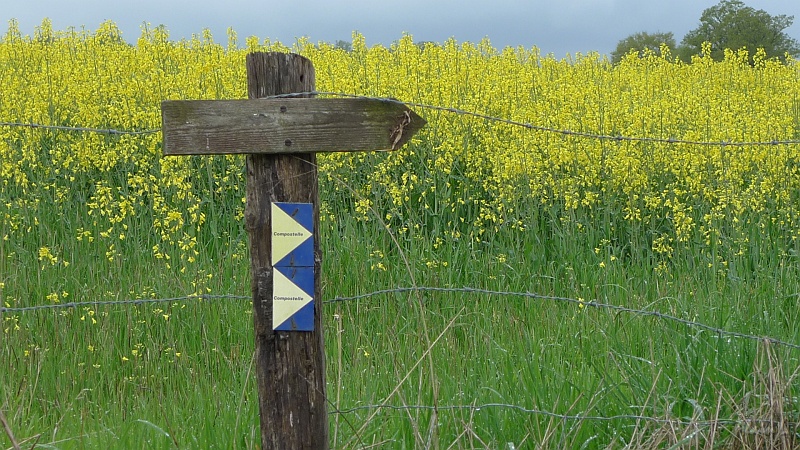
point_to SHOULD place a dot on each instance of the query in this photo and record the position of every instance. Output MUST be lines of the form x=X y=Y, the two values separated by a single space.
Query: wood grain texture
x=290 y=366
x=201 y=127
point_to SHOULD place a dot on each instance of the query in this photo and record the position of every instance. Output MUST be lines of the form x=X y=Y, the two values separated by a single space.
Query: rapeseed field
x=649 y=184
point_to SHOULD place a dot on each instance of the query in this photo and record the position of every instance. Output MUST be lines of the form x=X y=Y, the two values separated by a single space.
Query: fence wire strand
x=585 y=304
x=79 y=129
x=530 y=126
x=141 y=301
x=562 y=417
x=449 y=109
x=582 y=303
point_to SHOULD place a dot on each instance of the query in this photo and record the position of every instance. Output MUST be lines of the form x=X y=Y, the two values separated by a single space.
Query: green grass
x=179 y=374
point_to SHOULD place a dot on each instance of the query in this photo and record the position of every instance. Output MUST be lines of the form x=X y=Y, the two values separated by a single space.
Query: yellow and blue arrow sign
x=293 y=267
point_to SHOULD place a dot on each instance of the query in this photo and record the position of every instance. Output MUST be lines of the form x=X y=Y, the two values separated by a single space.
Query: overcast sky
x=554 y=26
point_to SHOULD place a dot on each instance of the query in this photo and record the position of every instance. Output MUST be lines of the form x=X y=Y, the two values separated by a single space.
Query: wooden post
x=281 y=138
x=290 y=366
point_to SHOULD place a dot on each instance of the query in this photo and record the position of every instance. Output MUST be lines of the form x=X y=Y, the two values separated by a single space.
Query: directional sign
x=300 y=125
x=292 y=225
x=293 y=299
x=280 y=138
x=293 y=264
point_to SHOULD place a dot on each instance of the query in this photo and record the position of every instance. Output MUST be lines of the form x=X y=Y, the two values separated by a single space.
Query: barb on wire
x=563 y=417
x=143 y=301
x=531 y=126
x=78 y=129
x=585 y=303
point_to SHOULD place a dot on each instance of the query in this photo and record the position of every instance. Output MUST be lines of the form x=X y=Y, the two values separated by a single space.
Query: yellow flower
x=46 y=256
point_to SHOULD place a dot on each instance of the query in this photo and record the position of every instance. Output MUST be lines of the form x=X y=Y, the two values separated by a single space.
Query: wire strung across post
x=457 y=111
x=402 y=290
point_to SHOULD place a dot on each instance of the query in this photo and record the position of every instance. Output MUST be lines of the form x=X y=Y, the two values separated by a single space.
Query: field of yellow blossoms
x=576 y=165
x=473 y=175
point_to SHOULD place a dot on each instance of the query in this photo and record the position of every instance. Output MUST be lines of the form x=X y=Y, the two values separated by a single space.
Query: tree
x=641 y=42
x=343 y=45
x=733 y=25
x=422 y=44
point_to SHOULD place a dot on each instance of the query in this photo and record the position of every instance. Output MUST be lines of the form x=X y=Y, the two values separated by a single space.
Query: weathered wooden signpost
x=280 y=138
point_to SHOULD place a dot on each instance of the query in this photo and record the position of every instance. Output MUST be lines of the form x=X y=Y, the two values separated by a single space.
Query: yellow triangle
x=287 y=298
x=287 y=234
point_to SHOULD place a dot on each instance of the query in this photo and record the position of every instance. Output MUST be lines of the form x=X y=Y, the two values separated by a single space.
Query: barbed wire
x=403 y=290
x=531 y=126
x=562 y=417
x=79 y=129
x=579 y=302
x=142 y=301
x=457 y=111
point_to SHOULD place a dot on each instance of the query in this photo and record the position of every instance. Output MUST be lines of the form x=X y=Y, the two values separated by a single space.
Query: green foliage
x=343 y=45
x=421 y=44
x=642 y=43
x=733 y=25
